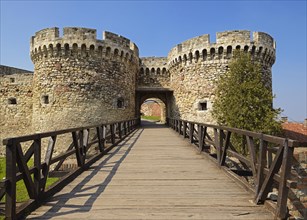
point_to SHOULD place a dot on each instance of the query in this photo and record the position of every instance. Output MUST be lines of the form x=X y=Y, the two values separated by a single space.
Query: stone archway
x=154 y=107
x=143 y=94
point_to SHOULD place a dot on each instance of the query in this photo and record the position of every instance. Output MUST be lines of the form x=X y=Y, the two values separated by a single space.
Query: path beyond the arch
x=154 y=174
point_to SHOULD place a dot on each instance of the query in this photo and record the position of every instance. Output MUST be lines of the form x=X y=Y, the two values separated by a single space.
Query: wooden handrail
x=80 y=143
x=265 y=172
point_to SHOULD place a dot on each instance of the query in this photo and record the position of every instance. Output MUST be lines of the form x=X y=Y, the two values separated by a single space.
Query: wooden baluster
x=100 y=138
x=281 y=210
x=120 y=130
x=112 y=133
x=23 y=168
x=10 y=192
x=224 y=153
x=125 y=128
x=220 y=146
x=180 y=125
x=76 y=142
x=184 y=129
x=217 y=143
x=252 y=153
x=200 y=137
x=37 y=165
x=261 y=166
x=191 y=133
x=48 y=158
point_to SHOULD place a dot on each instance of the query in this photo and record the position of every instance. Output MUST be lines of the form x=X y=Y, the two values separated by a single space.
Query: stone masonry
x=80 y=80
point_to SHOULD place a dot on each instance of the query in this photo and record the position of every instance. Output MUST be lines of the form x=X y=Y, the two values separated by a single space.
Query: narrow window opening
x=45 y=99
x=12 y=80
x=212 y=53
x=12 y=101
x=120 y=103
x=203 y=106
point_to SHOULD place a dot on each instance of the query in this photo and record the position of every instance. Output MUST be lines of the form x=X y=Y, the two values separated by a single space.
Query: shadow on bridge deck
x=153 y=174
x=152 y=124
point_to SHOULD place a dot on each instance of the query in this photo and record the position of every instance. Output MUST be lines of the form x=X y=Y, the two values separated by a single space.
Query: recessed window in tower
x=202 y=106
x=212 y=53
x=12 y=101
x=12 y=80
x=120 y=103
x=45 y=99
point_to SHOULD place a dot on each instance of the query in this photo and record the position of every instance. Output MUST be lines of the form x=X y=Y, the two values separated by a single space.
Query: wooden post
x=224 y=154
x=184 y=129
x=37 y=165
x=120 y=130
x=281 y=209
x=217 y=144
x=76 y=142
x=252 y=153
x=191 y=133
x=125 y=128
x=200 y=137
x=261 y=165
x=10 y=199
x=220 y=150
x=112 y=133
x=180 y=125
x=100 y=139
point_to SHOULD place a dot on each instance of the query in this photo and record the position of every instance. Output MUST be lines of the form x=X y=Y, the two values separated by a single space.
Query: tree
x=243 y=98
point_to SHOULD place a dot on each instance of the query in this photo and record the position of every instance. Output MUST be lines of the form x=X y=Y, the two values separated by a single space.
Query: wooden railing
x=85 y=145
x=267 y=158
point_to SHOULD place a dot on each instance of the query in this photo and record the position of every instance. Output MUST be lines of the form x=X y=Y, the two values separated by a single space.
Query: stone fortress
x=80 y=80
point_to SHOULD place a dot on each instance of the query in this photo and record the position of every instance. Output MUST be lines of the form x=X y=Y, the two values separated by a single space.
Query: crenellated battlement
x=153 y=66
x=153 y=72
x=261 y=46
x=82 y=42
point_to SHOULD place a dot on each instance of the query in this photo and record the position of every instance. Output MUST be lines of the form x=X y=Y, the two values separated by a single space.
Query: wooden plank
x=152 y=175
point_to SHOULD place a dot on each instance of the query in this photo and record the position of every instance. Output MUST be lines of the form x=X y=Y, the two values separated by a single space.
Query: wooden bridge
x=148 y=172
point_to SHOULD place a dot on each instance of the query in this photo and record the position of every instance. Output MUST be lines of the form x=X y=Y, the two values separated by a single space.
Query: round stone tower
x=80 y=80
x=196 y=64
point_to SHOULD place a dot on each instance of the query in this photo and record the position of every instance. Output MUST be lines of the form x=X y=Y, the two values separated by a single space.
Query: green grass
x=153 y=118
x=21 y=190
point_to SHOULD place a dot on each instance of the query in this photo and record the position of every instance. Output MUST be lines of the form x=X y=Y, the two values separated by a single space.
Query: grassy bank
x=152 y=118
x=21 y=190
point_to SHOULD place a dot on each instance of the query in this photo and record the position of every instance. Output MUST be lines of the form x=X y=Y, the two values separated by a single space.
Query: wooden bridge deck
x=154 y=174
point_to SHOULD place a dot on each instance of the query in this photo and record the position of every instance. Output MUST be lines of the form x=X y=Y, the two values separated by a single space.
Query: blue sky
x=157 y=26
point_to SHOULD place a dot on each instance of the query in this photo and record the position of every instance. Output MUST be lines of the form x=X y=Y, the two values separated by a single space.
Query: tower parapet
x=82 y=42
x=153 y=72
x=261 y=47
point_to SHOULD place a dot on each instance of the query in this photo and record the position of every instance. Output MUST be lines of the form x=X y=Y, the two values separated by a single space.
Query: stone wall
x=16 y=102
x=153 y=73
x=80 y=80
x=196 y=65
